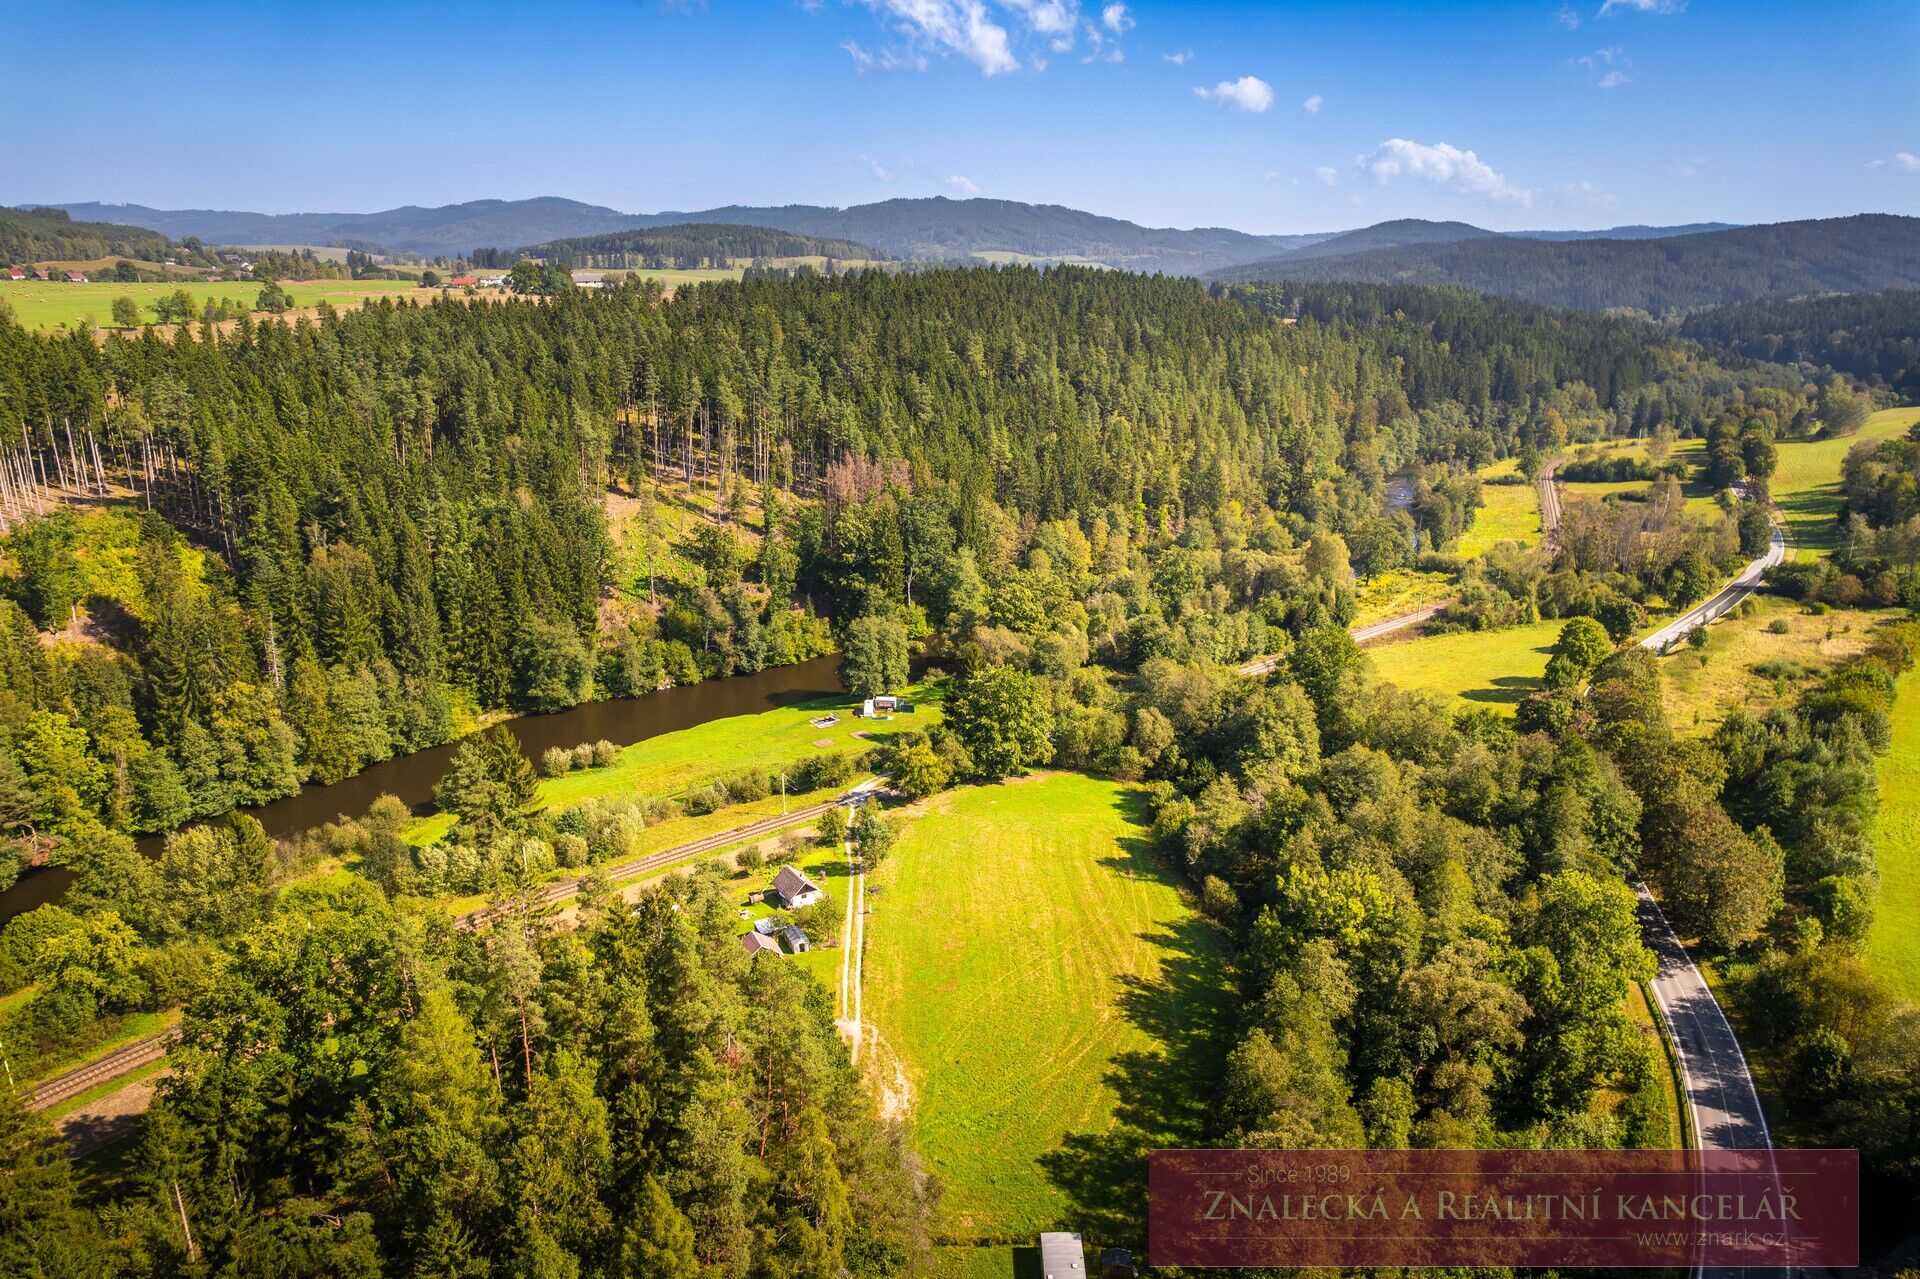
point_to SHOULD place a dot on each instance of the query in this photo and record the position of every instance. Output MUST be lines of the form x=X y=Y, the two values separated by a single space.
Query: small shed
x=1117 y=1263
x=755 y=942
x=797 y=941
x=1061 y=1256
x=766 y=925
x=795 y=889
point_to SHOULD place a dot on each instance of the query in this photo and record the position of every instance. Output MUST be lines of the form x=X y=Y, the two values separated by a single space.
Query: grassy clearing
x=1401 y=591
x=1508 y=513
x=1894 y=943
x=1703 y=684
x=1047 y=1006
x=1478 y=668
x=42 y=304
x=1806 y=483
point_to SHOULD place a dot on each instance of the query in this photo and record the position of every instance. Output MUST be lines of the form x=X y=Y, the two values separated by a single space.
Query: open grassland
x=1806 y=483
x=1478 y=668
x=1047 y=1006
x=1401 y=591
x=43 y=304
x=1508 y=513
x=1747 y=664
x=1894 y=944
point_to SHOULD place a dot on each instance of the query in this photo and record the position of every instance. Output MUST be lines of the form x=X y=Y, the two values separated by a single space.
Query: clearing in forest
x=1893 y=947
x=1492 y=669
x=1050 y=1003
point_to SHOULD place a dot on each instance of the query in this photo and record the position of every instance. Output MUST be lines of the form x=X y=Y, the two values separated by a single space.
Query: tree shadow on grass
x=1504 y=690
x=1164 y=1094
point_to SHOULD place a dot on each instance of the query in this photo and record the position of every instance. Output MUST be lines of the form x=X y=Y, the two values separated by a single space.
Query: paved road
x=1742 y=586
x=1723 y=1108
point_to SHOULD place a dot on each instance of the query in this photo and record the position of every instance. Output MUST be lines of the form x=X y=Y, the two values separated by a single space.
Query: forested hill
x=920 y=228
x=451 y=230
x=686 y=245
x=1864 y=253
x=51 y=235
x=1871 y=336
x=1387 y=235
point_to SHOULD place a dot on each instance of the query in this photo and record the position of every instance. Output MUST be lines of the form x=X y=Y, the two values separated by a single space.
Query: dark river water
x=412 y=777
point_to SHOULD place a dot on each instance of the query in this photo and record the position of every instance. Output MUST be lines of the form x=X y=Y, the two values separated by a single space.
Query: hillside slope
x=1863 y=253
x=689 y=245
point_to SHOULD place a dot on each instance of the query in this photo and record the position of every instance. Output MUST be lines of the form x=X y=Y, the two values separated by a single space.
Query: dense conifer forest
x=1088 y=497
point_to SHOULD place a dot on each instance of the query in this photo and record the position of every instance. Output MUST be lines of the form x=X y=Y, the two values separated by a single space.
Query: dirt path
x=853 y=940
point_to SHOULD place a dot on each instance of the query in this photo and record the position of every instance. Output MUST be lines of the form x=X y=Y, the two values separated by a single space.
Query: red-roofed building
x=464 y=281
x=76 y=277
x=15 y=273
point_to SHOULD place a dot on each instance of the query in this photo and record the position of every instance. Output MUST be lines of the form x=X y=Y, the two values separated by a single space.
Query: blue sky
x=1274 y=117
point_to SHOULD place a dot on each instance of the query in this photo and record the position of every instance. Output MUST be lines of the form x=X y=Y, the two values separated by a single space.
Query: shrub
x=1218 y=900
x=583 y=755
x=604 y=753
x=570 y=851
x=706 y=799
x=750 y=858
x=1779 y=626
x=744 y=788
x=555 y=761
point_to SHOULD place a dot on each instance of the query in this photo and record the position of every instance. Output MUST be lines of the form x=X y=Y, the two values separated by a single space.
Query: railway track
x=123 y=1060
x=128 y=1058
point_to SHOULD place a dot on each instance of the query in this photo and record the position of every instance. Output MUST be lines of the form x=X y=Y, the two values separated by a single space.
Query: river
x=622 y=721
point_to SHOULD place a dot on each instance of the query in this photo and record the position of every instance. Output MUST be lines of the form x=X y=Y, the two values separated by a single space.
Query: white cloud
x=1328 y=175
x=965 y=27
x=1179 y=59
x=1442 y=164
x=1608 y=64
x=1585 y=195
x=1116 y=19
x=883 y=59
x=878 y=169
x=1313 y=104
x=1611 y=7
x=1249 y=93
x=964 y=185
x=1568 y=18
x=1899 y=162
x=1048 y=17
x=1613 y=80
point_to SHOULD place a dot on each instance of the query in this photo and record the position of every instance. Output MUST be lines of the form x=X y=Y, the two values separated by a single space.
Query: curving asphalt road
x=1742 y=586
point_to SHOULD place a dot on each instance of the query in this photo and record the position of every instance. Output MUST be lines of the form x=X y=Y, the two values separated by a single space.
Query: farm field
x=43 y=304
x=1893 y=947
x=1702 y=685
x=1045 y=1006
x=1806 y=483
x=1493 y=669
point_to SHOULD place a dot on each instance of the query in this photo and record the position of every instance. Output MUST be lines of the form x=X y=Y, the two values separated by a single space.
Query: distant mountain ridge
x=1863 y=253
x=934 y=227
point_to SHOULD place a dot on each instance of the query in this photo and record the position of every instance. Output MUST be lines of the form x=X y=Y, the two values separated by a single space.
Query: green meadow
x=1039 y=988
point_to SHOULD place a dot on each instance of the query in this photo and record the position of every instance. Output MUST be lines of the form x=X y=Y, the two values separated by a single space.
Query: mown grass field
x=1894 y=944
x=1045 y=1002
x=1806 y=483
x=43 y=304
x=1702 y=684
x=1508 y=513
x=1477 y=668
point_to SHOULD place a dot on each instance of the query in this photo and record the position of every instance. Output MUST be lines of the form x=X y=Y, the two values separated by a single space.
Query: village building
x=1061 y=1256
x=756 y=942
x=794 y=889
x=796 y=939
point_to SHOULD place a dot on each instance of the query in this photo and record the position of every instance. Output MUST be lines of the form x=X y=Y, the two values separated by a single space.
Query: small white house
x=794 y=889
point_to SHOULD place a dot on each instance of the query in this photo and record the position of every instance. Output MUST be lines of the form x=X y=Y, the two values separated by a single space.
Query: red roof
x=15 y=273
x=77 y=277
x=464 y=279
